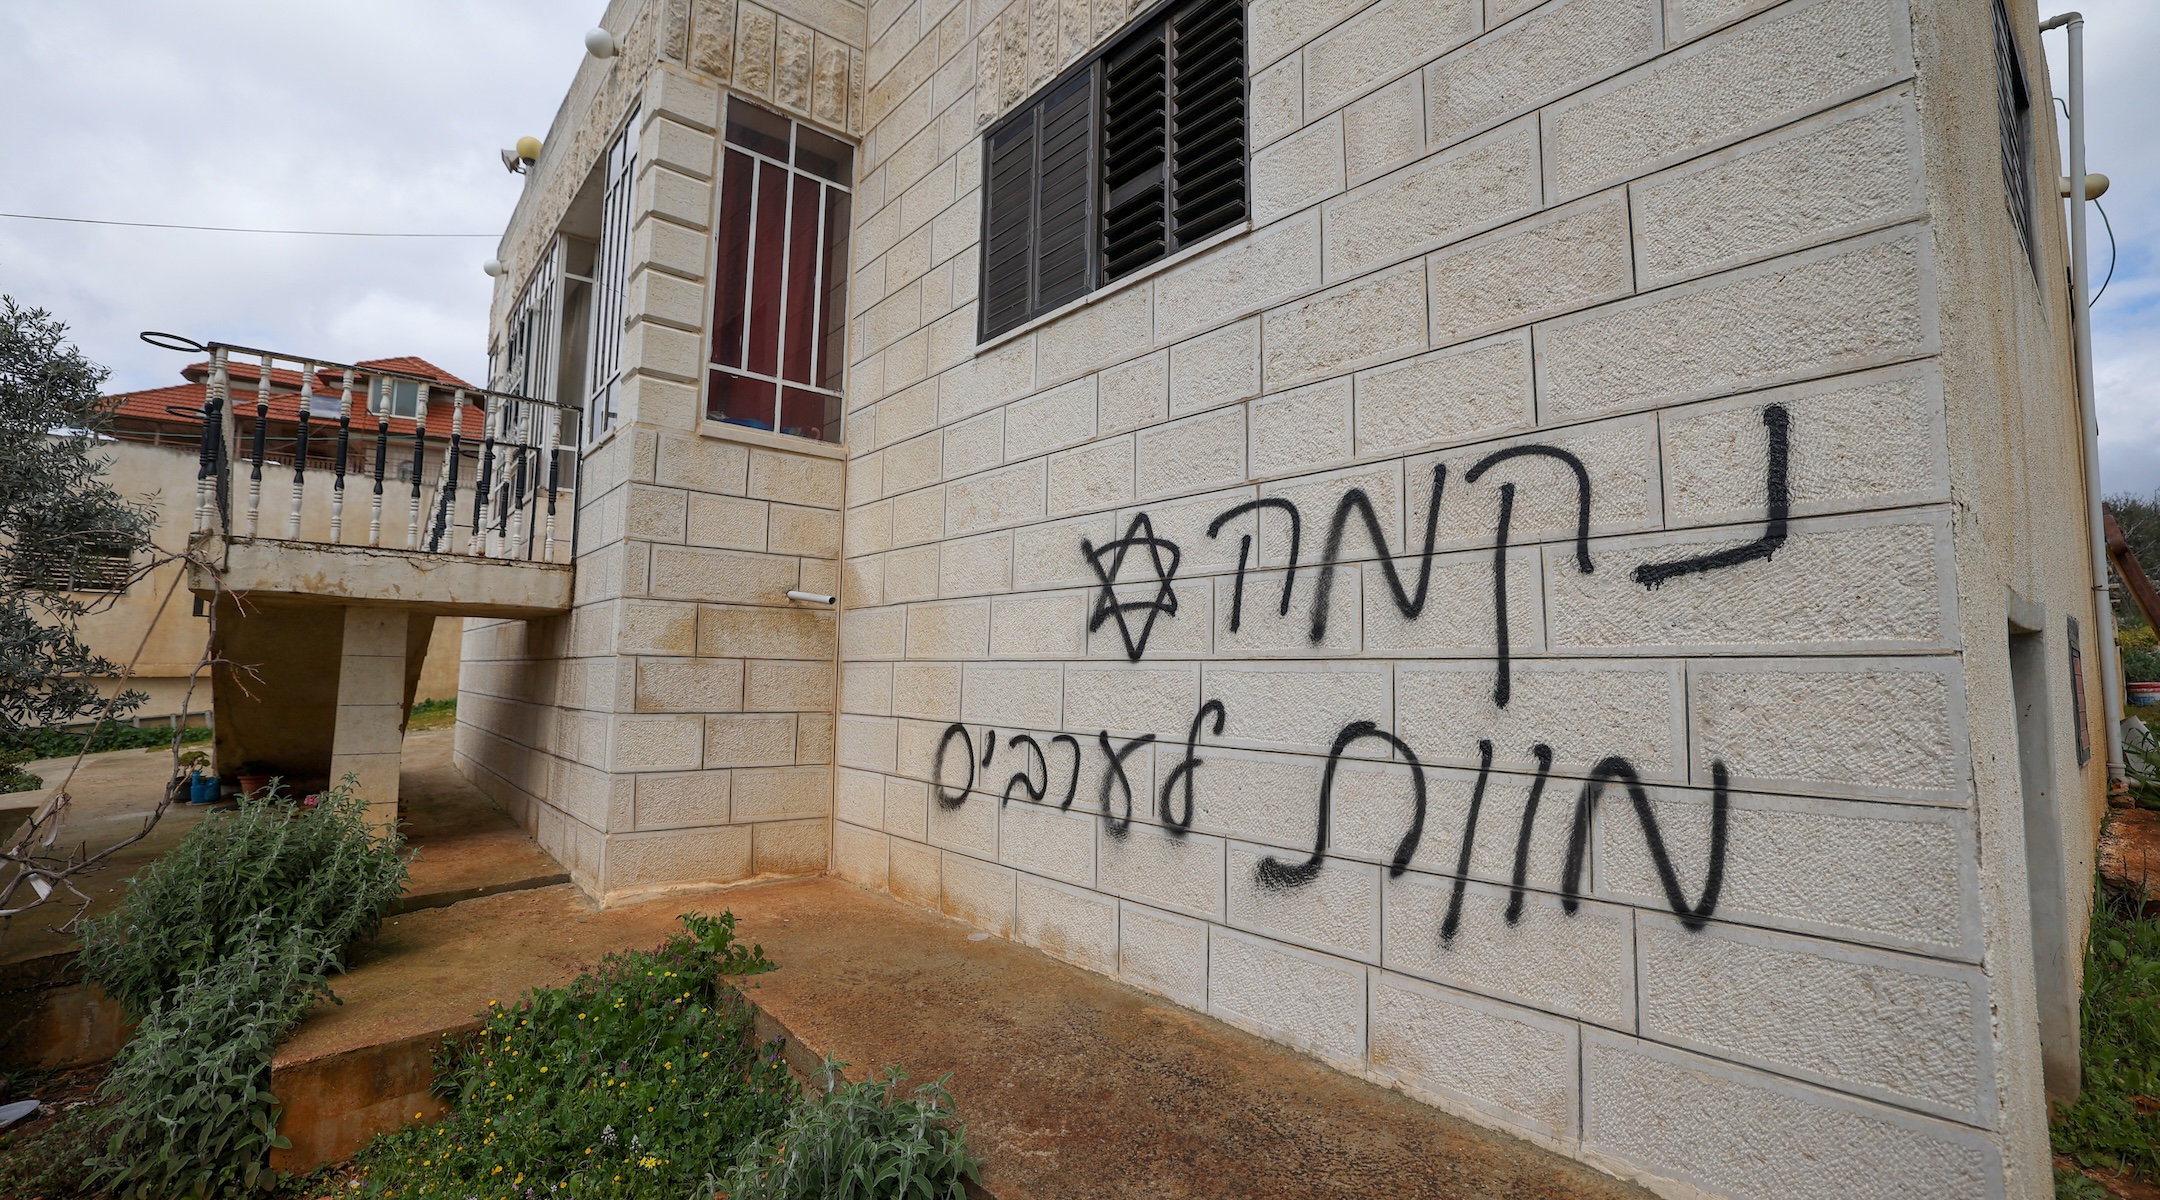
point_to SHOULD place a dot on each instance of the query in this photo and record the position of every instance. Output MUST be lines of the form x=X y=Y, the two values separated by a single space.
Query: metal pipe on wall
x=2081 y=301
x=2111 y=699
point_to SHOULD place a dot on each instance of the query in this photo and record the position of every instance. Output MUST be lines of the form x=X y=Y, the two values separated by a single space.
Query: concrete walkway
x=1072 y=1085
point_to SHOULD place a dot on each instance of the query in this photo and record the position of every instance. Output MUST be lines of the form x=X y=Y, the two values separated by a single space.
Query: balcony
x=340 y=509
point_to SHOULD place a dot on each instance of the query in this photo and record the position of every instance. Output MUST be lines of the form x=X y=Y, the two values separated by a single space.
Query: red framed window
x=779 y=327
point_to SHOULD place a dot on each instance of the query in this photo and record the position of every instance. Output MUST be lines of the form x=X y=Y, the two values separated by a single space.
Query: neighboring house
x=1532 y=550
x=155 y=452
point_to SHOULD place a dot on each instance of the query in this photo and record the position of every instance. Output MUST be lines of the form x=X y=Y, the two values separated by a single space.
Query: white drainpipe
x=2081 y=317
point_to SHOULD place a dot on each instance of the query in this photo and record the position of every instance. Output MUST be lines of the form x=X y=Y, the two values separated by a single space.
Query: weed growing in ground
x=49 y=1163
x=266 y=866
x=638 y=1079
x=66 y=743
x=2069 y=1185
x=2116 y=1121
x=432 y=714
x=861 y=1141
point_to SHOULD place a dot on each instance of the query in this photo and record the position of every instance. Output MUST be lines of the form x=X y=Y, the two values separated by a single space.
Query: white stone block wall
x=677 y=728
x=1536 y=297
x=1619 y=229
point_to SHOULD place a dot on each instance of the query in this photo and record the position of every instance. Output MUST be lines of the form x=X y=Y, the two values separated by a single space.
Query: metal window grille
x=611 y=279
x=91 y=569
x=528 y=360
x=780 y=268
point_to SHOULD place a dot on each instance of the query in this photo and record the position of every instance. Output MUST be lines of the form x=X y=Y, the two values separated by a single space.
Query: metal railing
x=510 y=452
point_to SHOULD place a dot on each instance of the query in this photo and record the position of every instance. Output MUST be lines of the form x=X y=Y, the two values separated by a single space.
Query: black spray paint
x=1139 y=534
x=1522 y=838
x=1411 y=603
x=1116 y=796
x=1244 y=551
x=1503 y=678
x=1617 y=769
x=1187 y=767
x=1469 y=840
x=1114 y=773
x=1775 y=487
x=1274 y=873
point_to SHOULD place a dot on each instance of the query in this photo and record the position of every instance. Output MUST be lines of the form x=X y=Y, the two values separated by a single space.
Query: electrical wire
x=2110 y=227
x=2064 y=108
x=237 y=229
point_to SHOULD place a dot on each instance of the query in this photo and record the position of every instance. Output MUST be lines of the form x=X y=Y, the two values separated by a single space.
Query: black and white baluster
x=300 y=440
x=206 y=466
x=504 y=498
x=344 y=437
x=491 y=411
x=419 y=461
x=520 y=494
x=262 y=429
x=382 y=458
x=446 y=506
x=548 y=550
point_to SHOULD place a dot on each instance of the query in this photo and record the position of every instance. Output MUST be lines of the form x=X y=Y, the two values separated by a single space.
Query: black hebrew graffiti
x=1411 y=603
x=1503 y=677
x=937 y=766
x=1072 y=782
x=1617 y=769
x=1272 y=872
x=1108 y=561
x=1187 y=767
x=1138 y=535
x=1453 y=920
x=1021 y=779
x=1779 y=502
x=1116 y=795
x=1244 y=551
x=1177 y=803
x=1518 y=882
x=1114 y=773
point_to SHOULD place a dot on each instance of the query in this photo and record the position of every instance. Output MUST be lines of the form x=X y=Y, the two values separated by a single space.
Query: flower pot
x=2145 y=695
x=254 y=785
x=202 y=789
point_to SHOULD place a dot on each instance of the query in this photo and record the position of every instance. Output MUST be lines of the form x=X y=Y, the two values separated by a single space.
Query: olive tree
x=60 y=522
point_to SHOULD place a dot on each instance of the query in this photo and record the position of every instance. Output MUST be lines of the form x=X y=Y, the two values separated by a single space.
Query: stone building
x=1532 y=550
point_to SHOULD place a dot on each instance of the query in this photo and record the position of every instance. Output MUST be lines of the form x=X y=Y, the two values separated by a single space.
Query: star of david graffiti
x=1140 y=535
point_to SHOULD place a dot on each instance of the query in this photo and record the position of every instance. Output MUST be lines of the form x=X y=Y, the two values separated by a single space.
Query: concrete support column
x=370 y=707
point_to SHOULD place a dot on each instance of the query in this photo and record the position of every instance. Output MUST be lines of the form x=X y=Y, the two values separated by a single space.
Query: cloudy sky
x=389 y=115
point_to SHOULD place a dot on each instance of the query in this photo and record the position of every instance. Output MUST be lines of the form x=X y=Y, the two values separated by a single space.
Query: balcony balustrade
x=469 y=472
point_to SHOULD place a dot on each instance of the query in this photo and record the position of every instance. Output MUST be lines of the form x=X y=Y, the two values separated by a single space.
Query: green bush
x=66 y=743
x=637 y=1079
x=2108 y=1126
x=861 y=1141
x=2141 y=664
x=13 y=778
x=217 y=951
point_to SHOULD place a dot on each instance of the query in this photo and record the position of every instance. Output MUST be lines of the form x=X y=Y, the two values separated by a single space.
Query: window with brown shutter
x=2013 y=103
x=1137 y=152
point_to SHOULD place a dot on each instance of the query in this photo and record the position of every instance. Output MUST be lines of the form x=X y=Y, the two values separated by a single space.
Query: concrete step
x=466 y=848
x=1072 y=1085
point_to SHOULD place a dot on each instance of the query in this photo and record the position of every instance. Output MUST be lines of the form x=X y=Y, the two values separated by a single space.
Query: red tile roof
x=153 y=405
